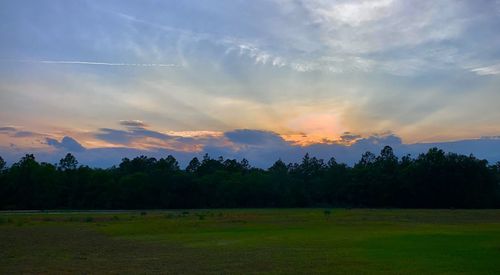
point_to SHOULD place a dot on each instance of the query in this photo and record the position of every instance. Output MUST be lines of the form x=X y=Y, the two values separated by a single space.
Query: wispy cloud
x=243 y=47
x=351 y=13
x=489 y=70
x=374 y=65
x=349 y=36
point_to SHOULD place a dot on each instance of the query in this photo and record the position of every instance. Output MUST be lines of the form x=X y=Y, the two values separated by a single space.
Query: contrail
x=102 y=63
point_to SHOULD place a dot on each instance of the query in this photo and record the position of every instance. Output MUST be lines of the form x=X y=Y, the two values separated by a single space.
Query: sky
x=257 y=79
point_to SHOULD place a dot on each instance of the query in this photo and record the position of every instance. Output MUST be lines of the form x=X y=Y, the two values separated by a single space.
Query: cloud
x=17 y=133
x=358 y=35
x=67 y=143
x=23 y=134
x=352 y=13
x=377 y=141
x=149 y=133
x=292 y=34
x=489 y=70
x=254 y=137
x=7 y=129
x=366 y=26
x=136 y=130
x=348 y=137
x=114 y=136
x=243 y=73
x=133 y=123
x=231 y=43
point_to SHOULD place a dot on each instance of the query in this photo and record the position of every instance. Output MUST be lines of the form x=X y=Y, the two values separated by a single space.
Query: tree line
x=434 y=179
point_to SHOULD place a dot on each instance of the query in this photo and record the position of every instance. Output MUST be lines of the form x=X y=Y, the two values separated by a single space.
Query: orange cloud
x=321 y=127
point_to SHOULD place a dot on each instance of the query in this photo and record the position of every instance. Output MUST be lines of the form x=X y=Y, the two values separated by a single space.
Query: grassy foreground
x=247 y=241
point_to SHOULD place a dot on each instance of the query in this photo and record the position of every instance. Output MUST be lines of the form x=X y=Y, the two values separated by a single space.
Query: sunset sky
x=256 y=79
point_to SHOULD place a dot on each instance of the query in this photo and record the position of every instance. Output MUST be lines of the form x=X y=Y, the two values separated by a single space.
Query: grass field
x=306 y=241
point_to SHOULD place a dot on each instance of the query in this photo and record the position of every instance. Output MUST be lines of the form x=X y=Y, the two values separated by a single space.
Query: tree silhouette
x=193 y=165
x=434 y=179
x=69 y=162
x=387 y=155
x=279 y=167
x=367 y=158
x=2 y=163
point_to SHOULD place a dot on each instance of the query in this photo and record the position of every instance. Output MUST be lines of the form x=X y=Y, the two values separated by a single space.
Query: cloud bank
x=260 y=147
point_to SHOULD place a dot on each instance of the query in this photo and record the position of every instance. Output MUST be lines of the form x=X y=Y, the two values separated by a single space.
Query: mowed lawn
x=245 y=241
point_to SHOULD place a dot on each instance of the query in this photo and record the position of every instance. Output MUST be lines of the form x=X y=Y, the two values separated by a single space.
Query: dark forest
x=432 y=180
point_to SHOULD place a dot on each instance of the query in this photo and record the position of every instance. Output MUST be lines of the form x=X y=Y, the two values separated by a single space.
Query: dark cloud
x=14 y=132
x=7 y=129
x=21 y=134
x=126 y=136
x=133 y=123
x=149 y=133
x=349 y=137
x=114 y=136
x=254 y=137
x=67 y=143
x=384 y=139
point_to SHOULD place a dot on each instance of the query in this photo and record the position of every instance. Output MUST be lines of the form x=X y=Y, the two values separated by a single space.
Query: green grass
x=243 y=241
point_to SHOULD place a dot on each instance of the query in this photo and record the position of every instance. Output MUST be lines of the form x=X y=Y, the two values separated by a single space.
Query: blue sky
x=284 y=76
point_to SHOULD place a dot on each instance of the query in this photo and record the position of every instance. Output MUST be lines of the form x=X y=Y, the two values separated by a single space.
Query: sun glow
x=314 y=128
